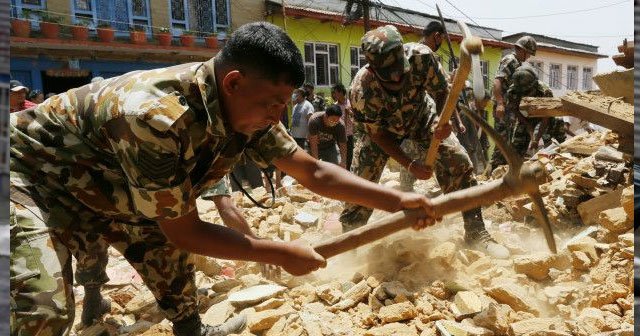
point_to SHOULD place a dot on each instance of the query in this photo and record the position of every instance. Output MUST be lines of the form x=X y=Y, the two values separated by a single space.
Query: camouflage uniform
x=508 y=65
x=101 y=164
x=407 y=116
x=526 y=127
x=221 y=188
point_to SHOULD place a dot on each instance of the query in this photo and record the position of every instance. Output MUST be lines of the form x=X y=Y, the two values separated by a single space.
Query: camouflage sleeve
x=366 y=103
x=507 y=66
x=274 y=144
x=148 y=150
x=221 y=188
x=436 y=77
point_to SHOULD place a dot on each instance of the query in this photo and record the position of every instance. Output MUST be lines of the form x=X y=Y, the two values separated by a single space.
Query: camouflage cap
x=524 y=79
x=383 y=50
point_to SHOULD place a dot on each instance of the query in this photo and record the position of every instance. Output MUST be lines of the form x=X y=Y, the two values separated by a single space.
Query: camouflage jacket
x=513 y=97
x=508 y=65
x=404 y=114
x=137 y=147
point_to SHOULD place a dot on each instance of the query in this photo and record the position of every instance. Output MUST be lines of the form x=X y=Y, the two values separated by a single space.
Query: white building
x=563 y=65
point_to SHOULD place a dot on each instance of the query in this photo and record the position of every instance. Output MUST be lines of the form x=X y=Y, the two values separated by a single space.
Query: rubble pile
x=428 y=282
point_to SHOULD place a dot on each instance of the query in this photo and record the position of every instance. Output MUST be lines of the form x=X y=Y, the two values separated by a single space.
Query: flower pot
x=164 y=39
x=21 y=28
x=187 y=40
x=50 y=30
x=106 y=34
x=211 y=42
x=138 y=37
x=80 y=33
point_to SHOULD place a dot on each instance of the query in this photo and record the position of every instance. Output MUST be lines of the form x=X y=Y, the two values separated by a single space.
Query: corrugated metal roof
x=571 y=50
x=390 y=14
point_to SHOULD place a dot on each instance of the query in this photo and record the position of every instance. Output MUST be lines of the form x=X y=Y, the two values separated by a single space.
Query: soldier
x=432 y=37
x=524 y=48
x=391 y=102
x=527 y=132
x=122 y=161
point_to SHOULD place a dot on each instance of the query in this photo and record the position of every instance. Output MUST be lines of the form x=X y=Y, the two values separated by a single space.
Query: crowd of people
x=120 y=162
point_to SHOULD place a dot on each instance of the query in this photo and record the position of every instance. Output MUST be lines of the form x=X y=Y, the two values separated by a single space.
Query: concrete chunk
x=255 y=294
x=397 y=312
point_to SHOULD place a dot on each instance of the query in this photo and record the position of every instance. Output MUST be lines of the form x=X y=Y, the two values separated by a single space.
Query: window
x=555 y=76
x=321 y=65
x=84 y=9
x=538 y=66
x=357 y=60
x=484 y=65
x=572 y=77
x=199 y=15
x=179 y=16
x=34 y=5
x=587 y=73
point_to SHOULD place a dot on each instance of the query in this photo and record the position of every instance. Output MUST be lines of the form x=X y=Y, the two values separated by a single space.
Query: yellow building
x=332 y=51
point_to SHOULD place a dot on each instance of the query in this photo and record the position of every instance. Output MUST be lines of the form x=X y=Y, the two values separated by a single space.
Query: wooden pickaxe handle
x=470 y=45
x=456 y=201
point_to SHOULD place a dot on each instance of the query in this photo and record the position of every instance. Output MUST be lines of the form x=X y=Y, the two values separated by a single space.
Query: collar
x=206 y=80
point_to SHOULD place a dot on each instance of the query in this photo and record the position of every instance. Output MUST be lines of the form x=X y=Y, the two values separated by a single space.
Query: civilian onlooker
x=316 y=100
x=325 y=130
x=36 y=97
x=18 y=97
x=302 y=111
x=339 y=95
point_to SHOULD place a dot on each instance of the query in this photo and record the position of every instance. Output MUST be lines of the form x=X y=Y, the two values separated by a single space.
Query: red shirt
x=27 y=104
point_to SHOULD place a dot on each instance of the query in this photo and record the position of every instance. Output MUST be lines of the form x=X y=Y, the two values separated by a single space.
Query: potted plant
x=137 y=34
x=105 y=32
x=21 y=26
x=211 y=40
x=164 y=36
x=80 y=30
x=49 y=25
x=187 y=38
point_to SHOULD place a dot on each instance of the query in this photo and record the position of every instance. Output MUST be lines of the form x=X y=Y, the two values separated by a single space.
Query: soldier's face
x=252 y=103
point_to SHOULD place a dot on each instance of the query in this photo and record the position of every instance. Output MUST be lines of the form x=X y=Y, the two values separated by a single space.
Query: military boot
x=477 y=236
x=192 y=326
x=94 y=305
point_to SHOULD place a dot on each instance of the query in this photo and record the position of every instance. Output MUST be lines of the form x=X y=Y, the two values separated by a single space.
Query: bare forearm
x=334 y=182
x=497 y=91
x=221 y=242
x=234 y=219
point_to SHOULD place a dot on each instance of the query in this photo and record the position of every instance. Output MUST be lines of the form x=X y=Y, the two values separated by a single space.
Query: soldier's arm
x=231 y=215
x=387 y=141
x=192 y=234
x=331 y=181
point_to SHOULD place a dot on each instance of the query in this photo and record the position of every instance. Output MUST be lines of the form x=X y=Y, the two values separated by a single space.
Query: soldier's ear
x=231 y=82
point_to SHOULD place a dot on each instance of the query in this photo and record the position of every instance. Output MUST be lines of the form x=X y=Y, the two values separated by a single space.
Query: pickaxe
x=522 y=177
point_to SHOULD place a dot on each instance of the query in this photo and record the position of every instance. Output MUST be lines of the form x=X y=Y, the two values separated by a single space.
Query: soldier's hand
x=414 y=201
x=462 y=128
x=420 y=171
x=499 y=110
x=443 y=132
x=302 y=258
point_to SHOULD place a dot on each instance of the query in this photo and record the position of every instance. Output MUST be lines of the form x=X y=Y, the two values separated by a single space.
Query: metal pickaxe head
x=528 y=175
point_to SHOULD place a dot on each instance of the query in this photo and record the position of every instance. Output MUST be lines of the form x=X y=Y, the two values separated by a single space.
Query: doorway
x=59 y=84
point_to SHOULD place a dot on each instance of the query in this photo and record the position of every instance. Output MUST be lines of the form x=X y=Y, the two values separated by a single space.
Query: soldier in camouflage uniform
x=503 y=117
x=391 y=101
x=527 y=132
x=122 y=161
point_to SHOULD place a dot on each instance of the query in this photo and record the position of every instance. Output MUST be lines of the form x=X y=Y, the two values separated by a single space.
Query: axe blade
x=478 y=81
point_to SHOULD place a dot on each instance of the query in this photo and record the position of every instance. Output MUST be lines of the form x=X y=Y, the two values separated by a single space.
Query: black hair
x=265 y=49
x=34 y=93
x=333 y=110
x=308 y=85
x=433 y=27
x=339 y=88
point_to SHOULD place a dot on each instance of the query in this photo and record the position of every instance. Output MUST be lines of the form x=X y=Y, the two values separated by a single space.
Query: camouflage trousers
x=502 y=127
x=42 y=301
x=453 y=170
x=519 y=135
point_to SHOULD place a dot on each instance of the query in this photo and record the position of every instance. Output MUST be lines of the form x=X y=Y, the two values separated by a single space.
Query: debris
x=397 y=312
x=254 y=295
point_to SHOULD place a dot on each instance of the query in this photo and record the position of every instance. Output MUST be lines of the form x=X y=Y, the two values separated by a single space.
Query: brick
x=514 y=296
x=466 y=303
x=526 y=327
x=495 y=318
x=397 y=312
x=615 y=220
